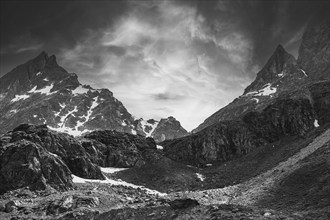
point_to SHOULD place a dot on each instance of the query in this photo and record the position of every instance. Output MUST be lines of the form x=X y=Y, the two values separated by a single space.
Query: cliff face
x=314 y=51
x=219 y=143
x=231 y=139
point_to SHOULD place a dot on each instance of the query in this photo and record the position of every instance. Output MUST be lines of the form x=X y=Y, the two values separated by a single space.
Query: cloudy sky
x=160 y=58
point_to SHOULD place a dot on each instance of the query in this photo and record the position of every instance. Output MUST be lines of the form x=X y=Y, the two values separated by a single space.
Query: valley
x=69 y=151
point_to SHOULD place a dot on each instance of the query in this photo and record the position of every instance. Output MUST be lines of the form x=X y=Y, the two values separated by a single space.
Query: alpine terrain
x=68 y=151
x=42 y=92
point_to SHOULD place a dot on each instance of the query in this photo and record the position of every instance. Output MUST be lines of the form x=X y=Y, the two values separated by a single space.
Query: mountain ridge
x=67 y=105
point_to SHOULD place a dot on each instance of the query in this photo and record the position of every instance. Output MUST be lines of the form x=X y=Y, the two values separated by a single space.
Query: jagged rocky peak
x=42 y=92
x=280 y=63
x=168 y=128
x=314 y=51
x=40 y=71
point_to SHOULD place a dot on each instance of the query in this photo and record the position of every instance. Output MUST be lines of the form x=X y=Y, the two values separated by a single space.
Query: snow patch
x=200 y=177
x=13 y=111
x=160 y=147
x=266 y=91
x=79 y=90
x=45 y=79
x=34 y=116
x=280 y=74
x=71 y=131
x=316 y=123
x=86 y=118
x=45 y=90
x=145 y=124
x=19 y=97
x=39 y=73
x=118 y=182
x=112 y=169
x=133 y=131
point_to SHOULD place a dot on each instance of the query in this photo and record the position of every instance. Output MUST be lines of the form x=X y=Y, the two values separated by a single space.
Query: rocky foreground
x=43 y=179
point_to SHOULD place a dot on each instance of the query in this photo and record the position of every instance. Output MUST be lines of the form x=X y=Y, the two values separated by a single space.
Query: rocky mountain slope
x=284 y=100
x=282 y=75
x=42 y=92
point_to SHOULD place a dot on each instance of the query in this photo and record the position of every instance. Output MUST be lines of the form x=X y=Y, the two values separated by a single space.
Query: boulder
x=65 y=146
x=24 y=163
x=183 y=203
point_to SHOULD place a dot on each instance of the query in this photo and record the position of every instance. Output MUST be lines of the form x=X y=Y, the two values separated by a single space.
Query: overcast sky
x=186 y=59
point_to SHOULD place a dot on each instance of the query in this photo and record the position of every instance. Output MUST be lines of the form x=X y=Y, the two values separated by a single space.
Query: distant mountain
x=282 y=74
x=166 y=128
x=42 y=92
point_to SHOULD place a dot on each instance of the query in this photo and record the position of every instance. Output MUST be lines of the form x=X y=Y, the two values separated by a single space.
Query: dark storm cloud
x=159 y=57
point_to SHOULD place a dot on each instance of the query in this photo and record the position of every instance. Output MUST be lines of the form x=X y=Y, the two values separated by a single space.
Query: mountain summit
x=279 y=63
x=42 y=92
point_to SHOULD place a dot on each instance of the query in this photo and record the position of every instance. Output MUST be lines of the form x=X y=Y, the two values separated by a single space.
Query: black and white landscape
x=95 y=95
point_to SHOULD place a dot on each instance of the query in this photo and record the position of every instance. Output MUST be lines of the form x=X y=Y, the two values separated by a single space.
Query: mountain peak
x=279 y=60
x=275 y=65
x=43 y=59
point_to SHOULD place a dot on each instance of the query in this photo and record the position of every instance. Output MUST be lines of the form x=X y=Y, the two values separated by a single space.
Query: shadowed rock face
x=25 y=163
x=121 y=149
x=219 y=143
x=314 y=51
x=320 y=93
x=36 y=157
x=229 y=139
x=62 y=145
x=285 y=117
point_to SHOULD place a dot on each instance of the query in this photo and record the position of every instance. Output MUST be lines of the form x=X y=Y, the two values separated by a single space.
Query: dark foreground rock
x=36 y=156
x=26 y=164
x=122 y=149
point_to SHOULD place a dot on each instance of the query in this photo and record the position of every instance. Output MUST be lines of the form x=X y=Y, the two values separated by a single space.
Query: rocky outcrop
x=229 y=139
x=284 y=117
x=26 y=164
x=320 y=93
x=168 y=128
x=219 y=143
x=314 y=51
x=122 y=149
x=62 y=145
x=36 y=156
